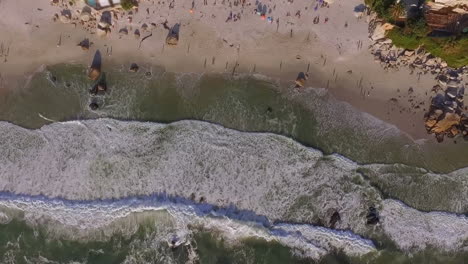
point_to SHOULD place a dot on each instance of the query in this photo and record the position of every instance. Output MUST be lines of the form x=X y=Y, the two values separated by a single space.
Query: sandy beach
x=333 y=52
x=177 y=143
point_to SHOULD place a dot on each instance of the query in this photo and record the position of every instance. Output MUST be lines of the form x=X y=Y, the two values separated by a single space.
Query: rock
x=134 y=67
x=144 y=27
x=453 y=84
x=102 y=87
x=436 y=88
x=85 y=14
x=65 y=16
x=387 y=41
x=172 y=40
x=372 y=216
x=102 y=28
x=430 y=123
x=461 y=92
x=453 y=132
x=453 y=75
x=94 y=74
x=379 y=32
x=84 y=44
x=64 y=19
x=300 y=80
x=384 y=53
x=101 y=32
x=137 y=33
x=334 y=219
x=93 y=106
x=85 y=17
x=103 y=24
x=446 y=123
x=439 y=137
x=123 y=31
x=430 y=62
x=443 y=80
x=409 y=53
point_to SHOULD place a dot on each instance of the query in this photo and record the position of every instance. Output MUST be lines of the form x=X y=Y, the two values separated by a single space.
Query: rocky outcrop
x=393 y=57
x=448 y=116
x=379 y=29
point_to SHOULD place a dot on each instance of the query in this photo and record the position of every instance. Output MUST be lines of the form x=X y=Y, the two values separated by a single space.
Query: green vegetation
x=387 y=9
x=128 y=4
x=414 y=34
x=453 y=50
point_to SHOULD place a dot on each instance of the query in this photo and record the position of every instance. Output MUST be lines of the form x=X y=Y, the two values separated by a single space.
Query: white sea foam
x=253 y=177
x=315 y=242
x=415 y=229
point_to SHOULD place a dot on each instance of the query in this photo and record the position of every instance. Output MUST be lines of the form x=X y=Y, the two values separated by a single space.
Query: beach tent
x=100 y=4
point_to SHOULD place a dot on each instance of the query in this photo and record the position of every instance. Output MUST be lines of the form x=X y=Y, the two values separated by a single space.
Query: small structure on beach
x=101 y=4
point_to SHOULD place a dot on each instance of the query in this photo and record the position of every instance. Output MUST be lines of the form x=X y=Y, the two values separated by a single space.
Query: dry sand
x=329 y=51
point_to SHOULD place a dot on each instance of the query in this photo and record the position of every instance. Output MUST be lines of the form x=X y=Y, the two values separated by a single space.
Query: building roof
x=449 y=18
x=100 y=4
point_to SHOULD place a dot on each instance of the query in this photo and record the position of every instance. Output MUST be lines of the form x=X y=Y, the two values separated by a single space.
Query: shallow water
x=21 y=243
x=313 y=118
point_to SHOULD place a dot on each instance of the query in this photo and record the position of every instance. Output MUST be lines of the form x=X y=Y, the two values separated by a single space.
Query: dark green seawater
x=313 y=118
x=21 y=243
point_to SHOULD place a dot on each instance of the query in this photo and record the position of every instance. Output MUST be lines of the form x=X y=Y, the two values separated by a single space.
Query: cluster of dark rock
x=448 y=115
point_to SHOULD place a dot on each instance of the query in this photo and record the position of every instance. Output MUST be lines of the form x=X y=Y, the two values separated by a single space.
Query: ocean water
x=312 y=117
x=108 y=191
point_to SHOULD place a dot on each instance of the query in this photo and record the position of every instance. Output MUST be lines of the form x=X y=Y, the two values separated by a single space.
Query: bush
x=382 y=7
x=127 y=4
x=454 y=50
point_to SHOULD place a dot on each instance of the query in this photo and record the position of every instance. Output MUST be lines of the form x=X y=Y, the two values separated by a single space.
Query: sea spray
x=250 y=177
x=91 y=216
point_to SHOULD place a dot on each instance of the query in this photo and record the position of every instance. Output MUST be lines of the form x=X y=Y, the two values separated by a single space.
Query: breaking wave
x=82 y=173
x=313 y=241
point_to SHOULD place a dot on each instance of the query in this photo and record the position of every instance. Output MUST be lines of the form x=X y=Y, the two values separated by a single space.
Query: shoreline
x=82 y=191
x=367 y=88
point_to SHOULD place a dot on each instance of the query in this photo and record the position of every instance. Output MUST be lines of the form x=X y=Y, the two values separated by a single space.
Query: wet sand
x=327 y=51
